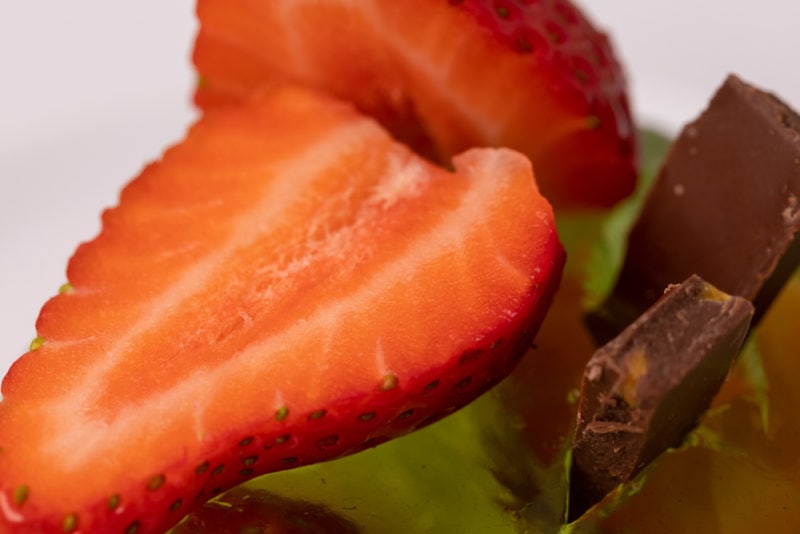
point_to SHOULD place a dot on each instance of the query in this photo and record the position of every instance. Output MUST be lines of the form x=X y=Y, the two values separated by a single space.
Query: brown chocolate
x=646 y=389
x=726 y=205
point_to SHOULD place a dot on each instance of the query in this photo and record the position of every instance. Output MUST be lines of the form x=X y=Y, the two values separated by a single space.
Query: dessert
x=643 y=391
x=726 y=205
x=498 y=464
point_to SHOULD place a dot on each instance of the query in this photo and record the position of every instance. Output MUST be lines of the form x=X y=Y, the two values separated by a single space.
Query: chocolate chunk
x=646 y=389
x=726 y=205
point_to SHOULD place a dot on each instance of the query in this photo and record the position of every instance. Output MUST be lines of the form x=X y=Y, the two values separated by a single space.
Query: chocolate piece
x=645 y=390
x=726 y=205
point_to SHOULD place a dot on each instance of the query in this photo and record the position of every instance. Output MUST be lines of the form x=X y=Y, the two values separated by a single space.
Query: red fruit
x=243 y=511
x=443 y=77
x=285 y=286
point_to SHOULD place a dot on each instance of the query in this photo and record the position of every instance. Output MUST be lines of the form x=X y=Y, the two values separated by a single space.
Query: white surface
x=677 y=52
x=90 y=90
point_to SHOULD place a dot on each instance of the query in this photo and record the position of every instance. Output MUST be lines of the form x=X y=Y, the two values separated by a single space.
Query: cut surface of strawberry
x=285 y=286
x=443 y=76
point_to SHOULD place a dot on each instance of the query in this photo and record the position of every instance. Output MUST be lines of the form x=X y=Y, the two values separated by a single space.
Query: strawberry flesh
x=443 y=77
x=285 y=286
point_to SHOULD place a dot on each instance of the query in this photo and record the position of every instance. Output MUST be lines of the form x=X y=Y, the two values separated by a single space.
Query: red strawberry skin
x=443 y=76
x=286 y=286
x=242 y=511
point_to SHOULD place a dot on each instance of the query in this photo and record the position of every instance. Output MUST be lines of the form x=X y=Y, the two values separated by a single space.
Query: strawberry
x=443 y=76
x=287 y=285
x=242 y=511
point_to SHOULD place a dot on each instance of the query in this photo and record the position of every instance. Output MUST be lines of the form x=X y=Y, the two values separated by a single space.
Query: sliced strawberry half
x=285 y=286
x=443 y=76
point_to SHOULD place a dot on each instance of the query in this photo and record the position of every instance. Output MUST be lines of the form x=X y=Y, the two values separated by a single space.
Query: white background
x=92 y=89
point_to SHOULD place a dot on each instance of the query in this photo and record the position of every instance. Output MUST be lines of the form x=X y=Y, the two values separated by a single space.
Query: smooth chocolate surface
x=646 y=389
x=726 y=205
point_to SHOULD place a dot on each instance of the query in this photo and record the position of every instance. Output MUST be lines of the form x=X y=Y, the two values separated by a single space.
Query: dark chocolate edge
x=616 y=312
x=582 y=493
x=775 y=109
